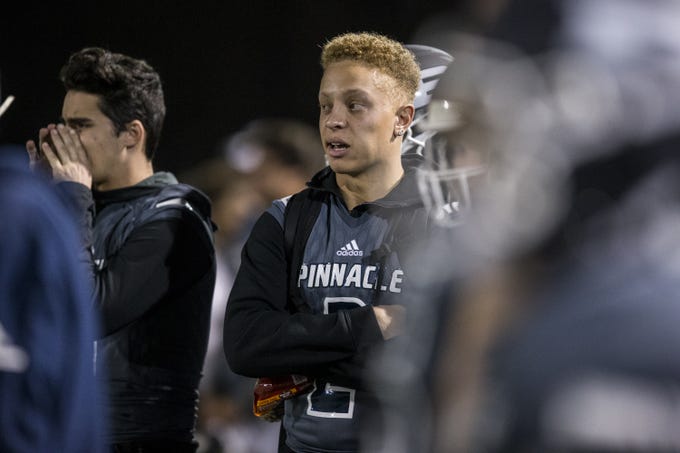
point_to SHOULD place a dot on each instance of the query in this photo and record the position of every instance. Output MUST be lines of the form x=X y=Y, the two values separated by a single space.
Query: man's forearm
x=79 y=200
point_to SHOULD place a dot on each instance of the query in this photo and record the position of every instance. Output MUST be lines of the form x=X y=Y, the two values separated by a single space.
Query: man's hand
x=62 y=152
x=390 y=319
x=37 y=159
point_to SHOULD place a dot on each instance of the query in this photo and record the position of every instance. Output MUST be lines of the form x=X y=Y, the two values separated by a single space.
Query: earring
x=400 y=132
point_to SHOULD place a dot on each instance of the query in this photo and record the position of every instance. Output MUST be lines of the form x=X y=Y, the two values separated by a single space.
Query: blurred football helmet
x=445 y=133
x=433 y=62
x=473 y=118
x=444 y=182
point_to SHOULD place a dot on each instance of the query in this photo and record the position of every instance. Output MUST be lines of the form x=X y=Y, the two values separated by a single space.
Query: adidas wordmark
x=350 y=249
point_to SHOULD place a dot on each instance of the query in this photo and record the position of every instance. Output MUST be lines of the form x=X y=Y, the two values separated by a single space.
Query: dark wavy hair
x=129 y=89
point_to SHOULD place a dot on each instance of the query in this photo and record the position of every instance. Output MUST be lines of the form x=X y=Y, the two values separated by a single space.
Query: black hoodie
x=153 y=269
x=352 y=260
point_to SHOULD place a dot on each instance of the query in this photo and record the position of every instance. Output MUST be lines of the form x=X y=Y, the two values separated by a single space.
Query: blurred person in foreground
x=323 y=316
x=49 y=398
x=557 y=318
x=147 y=242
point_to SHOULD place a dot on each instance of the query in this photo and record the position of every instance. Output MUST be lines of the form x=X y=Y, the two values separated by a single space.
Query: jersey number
x=328 y=400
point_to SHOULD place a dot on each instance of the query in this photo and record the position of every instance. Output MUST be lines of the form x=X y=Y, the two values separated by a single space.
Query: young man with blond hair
x=352 y=277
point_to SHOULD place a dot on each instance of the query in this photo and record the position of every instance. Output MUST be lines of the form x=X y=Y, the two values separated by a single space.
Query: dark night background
x=223 y=63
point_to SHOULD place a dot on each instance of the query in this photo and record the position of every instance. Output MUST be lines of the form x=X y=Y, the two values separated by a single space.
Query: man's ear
x=134 y=134
x=405 y=116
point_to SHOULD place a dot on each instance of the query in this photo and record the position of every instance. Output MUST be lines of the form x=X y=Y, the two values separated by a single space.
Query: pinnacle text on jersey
x=326 y=275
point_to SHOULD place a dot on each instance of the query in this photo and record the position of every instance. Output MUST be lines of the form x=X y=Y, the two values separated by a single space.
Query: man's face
x=97 y=134
x=358 y=114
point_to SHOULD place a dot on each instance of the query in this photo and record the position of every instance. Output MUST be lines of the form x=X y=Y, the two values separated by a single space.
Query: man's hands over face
x=61 y=153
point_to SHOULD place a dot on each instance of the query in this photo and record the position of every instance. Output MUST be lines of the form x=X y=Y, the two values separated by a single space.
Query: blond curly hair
x=377 y=51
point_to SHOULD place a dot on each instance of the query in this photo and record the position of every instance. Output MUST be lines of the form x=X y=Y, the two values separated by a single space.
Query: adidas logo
x=350 y=249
